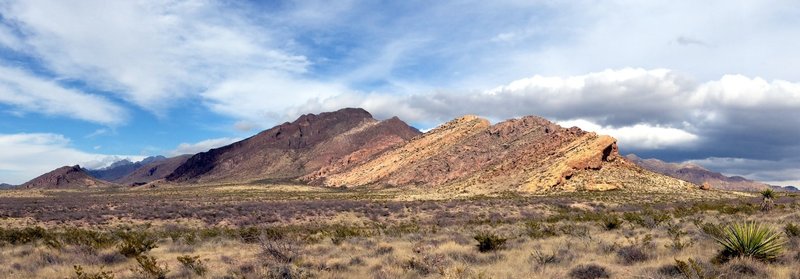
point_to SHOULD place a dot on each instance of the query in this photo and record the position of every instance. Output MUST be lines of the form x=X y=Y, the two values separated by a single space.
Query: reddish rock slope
x=65 y=177
x=295 y=149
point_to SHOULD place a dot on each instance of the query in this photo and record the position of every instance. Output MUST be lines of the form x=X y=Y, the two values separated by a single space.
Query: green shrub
x=752 y=240
x=22 y=236
x=86 y=238
x=135 y=243
x=691 y=269
x=193 y=264
x=342 y=233
x=488 y=242
x=81 y=274
x=537 y=230
x=676 y=234
x=711 y=229
x=149 y=267
x=612 y=222
x=249 y=234
x=648 y=218
x=792 y=230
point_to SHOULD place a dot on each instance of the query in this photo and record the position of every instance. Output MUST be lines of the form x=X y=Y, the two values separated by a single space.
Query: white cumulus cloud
x=26 y=156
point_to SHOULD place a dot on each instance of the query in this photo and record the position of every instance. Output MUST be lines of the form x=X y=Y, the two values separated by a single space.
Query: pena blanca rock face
x=529 y=154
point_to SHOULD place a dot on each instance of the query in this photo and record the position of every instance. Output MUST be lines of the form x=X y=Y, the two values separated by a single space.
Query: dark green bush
x=81 y=274
x=342 y=233
x=612 y=222
x=488 y=242
x=22 y=236
x=537 y=230
x=648 y=218
x=135 y=243
x=149 y=267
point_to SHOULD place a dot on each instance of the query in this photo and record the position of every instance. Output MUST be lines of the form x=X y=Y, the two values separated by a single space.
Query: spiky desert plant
x=767 y=204
x=750 y=239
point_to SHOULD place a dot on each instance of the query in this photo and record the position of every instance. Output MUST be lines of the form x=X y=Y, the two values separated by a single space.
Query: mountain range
x=4 y=186
x=120 y=169
x=698 y=175
x=350 y=148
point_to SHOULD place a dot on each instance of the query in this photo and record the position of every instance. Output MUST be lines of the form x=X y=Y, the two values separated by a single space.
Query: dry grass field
x=292 y=231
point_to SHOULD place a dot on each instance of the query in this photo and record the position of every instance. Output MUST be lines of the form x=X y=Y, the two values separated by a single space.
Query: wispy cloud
x=32 y=94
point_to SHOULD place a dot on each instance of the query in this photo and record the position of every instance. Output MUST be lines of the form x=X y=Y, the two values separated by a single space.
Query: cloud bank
x=652 y=112
x=26 y=156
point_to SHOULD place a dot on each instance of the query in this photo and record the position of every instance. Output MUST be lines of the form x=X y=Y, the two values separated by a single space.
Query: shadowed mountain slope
x=291 y=150
x=65 y=177
x=154 y=170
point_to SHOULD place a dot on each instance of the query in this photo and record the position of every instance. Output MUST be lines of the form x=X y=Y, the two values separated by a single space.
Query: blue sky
x=90 y=82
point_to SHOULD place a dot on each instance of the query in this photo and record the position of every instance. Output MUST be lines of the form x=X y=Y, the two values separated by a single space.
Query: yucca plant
x=752 y=240
x=767 y=204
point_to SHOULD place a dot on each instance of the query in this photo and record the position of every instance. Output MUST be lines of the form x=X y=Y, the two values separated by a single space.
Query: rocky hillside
x=65 y=177
x=154 y=170
x=295 y=149
x=530 y=154
x=4 y=186
x=698 y=175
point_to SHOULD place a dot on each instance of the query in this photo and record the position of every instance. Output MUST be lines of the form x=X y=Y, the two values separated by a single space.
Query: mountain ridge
x=293 y=149
x=65 y=177
x=698 y=175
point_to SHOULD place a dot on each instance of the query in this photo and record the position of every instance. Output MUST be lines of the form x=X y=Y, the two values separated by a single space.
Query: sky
x=91 y=82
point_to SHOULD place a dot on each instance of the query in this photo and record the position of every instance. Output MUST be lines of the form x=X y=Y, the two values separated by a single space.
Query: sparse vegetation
x=213 y=232
x=193 y=264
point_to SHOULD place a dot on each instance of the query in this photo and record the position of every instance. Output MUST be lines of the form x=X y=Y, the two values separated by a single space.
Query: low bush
x=612 y=222
x=676 y=235
x=193 y=264
x=590 y=271
x=81 y=274
x=629 y=255
x=488 y=242
x=536 y=230
x=135 y=243
x=150 y=268
x=792 y=230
